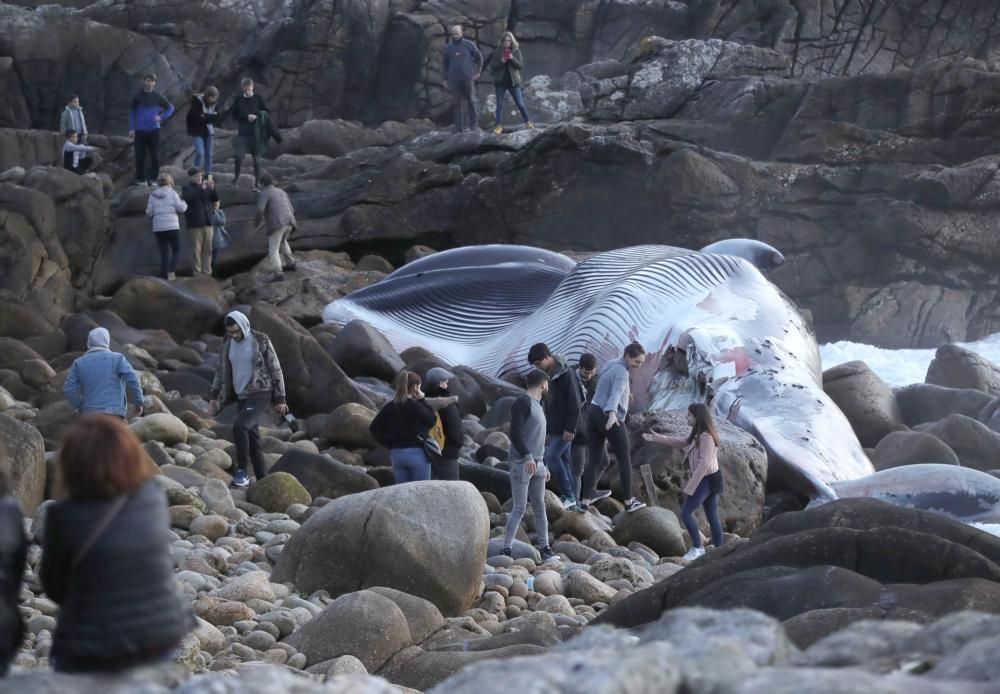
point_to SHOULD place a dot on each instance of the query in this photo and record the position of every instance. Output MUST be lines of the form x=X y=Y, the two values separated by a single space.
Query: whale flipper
x=764 y=257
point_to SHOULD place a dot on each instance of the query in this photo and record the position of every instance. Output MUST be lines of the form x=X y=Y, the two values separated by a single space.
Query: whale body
x=484 y=306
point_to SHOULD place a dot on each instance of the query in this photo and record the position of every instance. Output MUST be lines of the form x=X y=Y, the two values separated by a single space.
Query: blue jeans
x=516 y=94
x=409 y=464
x=559 y=462
x=707 y=495
x=203 y=152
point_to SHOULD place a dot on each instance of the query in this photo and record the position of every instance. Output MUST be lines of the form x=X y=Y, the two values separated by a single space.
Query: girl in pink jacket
x=703 y=489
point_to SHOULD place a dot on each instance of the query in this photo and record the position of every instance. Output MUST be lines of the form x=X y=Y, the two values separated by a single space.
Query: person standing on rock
x=586 y=371
x=72 y=118
x=462 y=64
x=445 y=466
x=528 y=470
x=246 y=111
x=563 y=402
x=200 y=200
x=402 y=425
x=202 y=118
x=250 y=373
x=98 y=381
x=13 y=550
x=506 y=65
x=106 y=560
x=149 y=110
x=606 y=423
x=274 y=208
x=703 y=489
x=163 y=206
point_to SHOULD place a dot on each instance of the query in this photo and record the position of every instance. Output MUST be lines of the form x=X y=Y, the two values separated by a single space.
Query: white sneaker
x=694 y=553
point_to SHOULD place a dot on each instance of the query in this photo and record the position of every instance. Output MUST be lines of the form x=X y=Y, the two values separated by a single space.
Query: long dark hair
x=702 y=422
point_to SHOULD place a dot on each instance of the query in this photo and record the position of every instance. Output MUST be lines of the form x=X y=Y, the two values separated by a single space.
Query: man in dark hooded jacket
x=445 y=467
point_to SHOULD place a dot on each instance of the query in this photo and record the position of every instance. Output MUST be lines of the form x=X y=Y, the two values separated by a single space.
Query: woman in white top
x=705 y=485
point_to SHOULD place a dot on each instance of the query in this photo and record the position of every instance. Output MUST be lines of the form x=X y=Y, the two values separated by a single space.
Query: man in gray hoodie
x=248 y=371
x=462 y=63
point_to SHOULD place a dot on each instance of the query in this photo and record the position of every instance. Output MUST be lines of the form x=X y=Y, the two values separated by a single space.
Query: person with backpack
x=449 y=421
x=527 y=468
x=106 y=559
x=200 y=199
x=98 y=381
x=163 y=206
x=701 y=450
x=13 y=551
x=403 y=426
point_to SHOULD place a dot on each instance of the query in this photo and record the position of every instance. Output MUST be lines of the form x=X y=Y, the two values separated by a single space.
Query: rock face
x=180 y=311
x=399 y=537
x=322 y=475
x=24 y=449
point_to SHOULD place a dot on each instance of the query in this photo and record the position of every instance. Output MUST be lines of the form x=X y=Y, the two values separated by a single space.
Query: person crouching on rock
x=75 y=157
x=528 y=473
x=106 y=558
x=402 y=426
x=250 y=373
x=163 y=206
x=13 y=550
x=705 y=485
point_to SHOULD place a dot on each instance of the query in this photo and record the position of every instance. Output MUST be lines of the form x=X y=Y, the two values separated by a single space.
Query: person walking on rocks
x=586 y=371
x=528 y=470
x=462 y=64
x=606 y=423
x=163 y=206
x=402 y=425
x=562 y=414
x=149 y=110
x=246 y=111
x=200 y=200
x=13 y=551
x=445 y=466
x=202 y=117
x=106 y=560
x=248 y=372
x=274 y=208
x=72 y=118
x=75 y=157
x=506 y=65
x=98 y=381
x=703 y=489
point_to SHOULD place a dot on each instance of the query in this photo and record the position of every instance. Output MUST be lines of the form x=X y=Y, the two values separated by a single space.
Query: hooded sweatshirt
x=97 y=381
x=163 y=207
x=242 y=354
x=265 y=372
x=564 y=399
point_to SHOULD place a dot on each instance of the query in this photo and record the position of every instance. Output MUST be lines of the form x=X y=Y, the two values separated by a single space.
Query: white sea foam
x=900 y=367
x=991 y=528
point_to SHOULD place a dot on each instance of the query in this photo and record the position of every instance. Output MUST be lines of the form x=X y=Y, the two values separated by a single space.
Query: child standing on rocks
x=163 y=207
x=705 y=485
x=528 y=473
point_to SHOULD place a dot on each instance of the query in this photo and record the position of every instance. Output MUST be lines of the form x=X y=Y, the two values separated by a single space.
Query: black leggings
x=170 y=245
x=617 y=439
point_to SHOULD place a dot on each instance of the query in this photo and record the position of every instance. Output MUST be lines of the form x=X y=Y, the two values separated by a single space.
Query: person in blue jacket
x=97 y=381
x=461 y=64
x=149 y=110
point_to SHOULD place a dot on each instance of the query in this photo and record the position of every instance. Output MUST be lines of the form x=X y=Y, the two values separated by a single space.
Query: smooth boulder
x=181 y=311
x=865 y=399
x=322 y=475
x=361 y=350
x=957 y=367
x=277 y=491
x=911 y=448
x=24 y=449
x=162 y=427
x=427 y=539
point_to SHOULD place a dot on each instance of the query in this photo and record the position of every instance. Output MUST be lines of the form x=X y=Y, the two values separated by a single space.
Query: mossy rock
x=278 y=491
x=185 y=497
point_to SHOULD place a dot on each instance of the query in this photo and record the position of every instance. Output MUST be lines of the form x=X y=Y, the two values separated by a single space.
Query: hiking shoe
x=241 y=479
x=582 y=506
x=277 y=278
x=633 y=505
x=694 y=553
x=601 y=494
x=546 y=553
x=291 y=267
x=497 y=130
x=506 y=552
x=529 y=125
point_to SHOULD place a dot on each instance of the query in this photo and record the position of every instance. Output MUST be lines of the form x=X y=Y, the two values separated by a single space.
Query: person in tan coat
x=275 y=209
x=703 y=489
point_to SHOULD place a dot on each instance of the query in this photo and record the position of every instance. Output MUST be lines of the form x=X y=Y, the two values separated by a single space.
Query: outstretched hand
x=281 y=409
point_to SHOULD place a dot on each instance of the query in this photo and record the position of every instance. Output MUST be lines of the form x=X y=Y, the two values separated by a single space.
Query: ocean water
x=900 y=367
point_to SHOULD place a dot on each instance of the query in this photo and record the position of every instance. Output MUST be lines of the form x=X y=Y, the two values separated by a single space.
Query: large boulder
x=313 y=381
x=865 y=399
x=322 y=475
x=162 y=427
x=360 y=350
x=911 y=448
x=742 y=460
x=29 y=365
x=181 y=311
x=349 y=425
x=957 y=367
x=24 y=449
x=655 y=527
x=922 y=402
x=277 y=491
x=975 y=444
x=424 y=538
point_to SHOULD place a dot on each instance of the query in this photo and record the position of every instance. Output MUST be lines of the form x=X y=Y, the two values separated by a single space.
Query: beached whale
x=739 y=336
